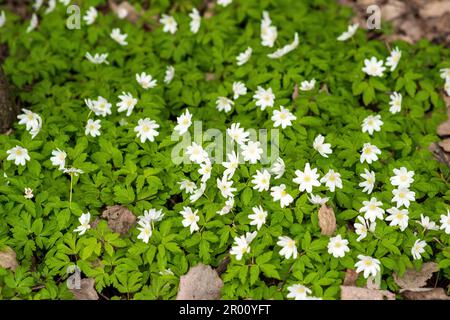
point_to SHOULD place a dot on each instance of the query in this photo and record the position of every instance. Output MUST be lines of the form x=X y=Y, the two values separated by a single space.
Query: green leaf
x=306 y=241
x=368 y=95
x=123 y=195
x=270 y=271
x=264 y=258
x=254 y=274
x=246 y=196
x=243 y=273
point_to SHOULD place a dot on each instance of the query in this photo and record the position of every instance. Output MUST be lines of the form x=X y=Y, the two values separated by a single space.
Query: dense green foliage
x=53 y=78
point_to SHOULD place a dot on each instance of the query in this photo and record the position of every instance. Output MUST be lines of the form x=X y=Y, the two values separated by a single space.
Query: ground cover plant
x=92 y=175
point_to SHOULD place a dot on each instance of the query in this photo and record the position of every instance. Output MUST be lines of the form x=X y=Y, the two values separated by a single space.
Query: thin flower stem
x=71 y=187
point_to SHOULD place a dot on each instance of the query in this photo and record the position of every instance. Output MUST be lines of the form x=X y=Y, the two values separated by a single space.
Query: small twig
x=103 y=296
x=38 y=287
x=437 y=278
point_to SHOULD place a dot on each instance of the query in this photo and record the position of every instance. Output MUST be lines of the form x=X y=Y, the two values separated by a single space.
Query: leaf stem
x=71 y=187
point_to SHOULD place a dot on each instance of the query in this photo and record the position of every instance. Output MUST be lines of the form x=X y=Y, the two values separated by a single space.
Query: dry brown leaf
x=209 y=76
x=87 y=290
x=355 y=293
x=445 y=144
x=413 y=29
x=393 y=10
x=120 y=219
x=413 y=279
x=350 y=278
x=209 y=11
x=396 y=37
x=295 y=93
x=425 y=294
x=365 y=3
x=125 y=6
x=327 y=220
x=439 y=153
x=8 y=259
x=444 y=129
x=200 y=283
x=435 y=9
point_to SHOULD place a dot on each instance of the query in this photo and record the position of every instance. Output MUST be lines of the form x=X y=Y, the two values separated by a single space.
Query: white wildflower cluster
x=269 y=33
x=146 y=223
x=375 y=68
x=32 y=121
x=316 y=177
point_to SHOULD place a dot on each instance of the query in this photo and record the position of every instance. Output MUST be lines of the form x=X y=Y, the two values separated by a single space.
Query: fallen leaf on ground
x=393 y=10
x=209 y=76
x=439 y=153
x=445 y=144
x=365 y=3
x=122 y=8
x=413 y=279
x=350 y=278
x=425 y=294
x=444 y=129
x=8 y=259
x=87 y=291
x=413 y=29
x=435 y=9
x=209 y=10
x=200 y=283
x=120 y=219
x=355 y=293
x=327 y=220
x=295 y=93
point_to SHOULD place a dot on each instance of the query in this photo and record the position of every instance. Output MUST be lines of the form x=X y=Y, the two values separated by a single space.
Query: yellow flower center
x=301 y=290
